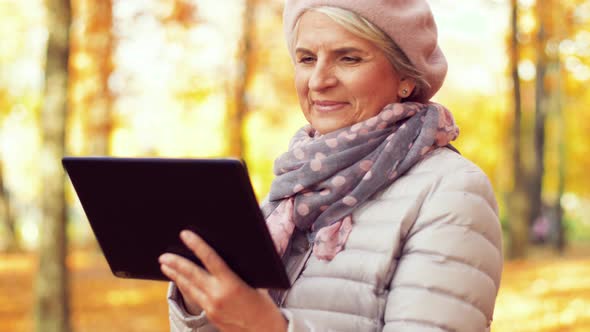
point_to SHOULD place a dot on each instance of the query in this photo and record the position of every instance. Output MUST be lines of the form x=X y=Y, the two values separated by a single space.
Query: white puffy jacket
x=425 y=254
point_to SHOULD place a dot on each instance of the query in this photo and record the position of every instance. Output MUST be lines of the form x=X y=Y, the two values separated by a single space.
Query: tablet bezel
x=118 y=193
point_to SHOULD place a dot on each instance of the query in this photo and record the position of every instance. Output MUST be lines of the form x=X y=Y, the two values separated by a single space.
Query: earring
x=405 y=92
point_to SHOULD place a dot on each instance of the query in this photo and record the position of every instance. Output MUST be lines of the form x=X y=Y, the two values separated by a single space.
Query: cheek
x=301 y=79
x=376 y=91
x=301 y=87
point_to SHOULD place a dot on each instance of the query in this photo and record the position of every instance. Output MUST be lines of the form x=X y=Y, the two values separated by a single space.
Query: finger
x=186 y=269
x=189 y=291
x=210 y=259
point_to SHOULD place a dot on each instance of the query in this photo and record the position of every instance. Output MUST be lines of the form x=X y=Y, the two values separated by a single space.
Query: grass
x=547 y=293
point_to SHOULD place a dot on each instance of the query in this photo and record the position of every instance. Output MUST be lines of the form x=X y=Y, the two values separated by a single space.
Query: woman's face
x=341 y=79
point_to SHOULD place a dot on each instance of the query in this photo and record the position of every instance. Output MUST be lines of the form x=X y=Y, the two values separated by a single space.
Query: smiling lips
x=326 y=106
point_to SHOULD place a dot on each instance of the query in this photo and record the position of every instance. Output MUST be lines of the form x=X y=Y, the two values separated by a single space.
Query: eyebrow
x=339 y=51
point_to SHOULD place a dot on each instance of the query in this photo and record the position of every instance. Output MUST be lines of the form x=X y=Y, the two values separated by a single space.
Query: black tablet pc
x=137 y=207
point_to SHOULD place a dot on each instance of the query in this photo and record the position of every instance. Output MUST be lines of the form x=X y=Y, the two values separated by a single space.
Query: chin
x=324 y=128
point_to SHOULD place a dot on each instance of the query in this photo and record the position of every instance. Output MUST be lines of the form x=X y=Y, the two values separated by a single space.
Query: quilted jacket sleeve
x=180 y=319
x=449 y=271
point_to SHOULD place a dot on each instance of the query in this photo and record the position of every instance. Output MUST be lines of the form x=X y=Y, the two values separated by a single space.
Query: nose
x=322 y=77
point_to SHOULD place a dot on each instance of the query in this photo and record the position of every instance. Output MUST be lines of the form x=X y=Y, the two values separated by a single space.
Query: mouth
x=327 y=106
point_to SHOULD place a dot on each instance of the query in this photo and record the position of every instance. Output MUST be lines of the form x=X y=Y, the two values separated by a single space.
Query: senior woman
x=382 y=225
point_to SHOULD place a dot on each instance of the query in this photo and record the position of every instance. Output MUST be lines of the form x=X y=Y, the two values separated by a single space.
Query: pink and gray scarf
x=323 y=178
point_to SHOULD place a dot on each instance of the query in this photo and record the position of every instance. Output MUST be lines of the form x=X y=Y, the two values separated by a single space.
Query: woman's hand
x=229 y=303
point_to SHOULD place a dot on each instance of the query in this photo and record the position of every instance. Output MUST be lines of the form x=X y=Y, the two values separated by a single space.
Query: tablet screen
x=137 y=207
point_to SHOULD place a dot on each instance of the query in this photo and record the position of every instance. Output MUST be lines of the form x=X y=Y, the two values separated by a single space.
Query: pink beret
x=408 y=22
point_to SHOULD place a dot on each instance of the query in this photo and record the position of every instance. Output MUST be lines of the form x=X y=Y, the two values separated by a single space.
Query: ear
x=406 y=87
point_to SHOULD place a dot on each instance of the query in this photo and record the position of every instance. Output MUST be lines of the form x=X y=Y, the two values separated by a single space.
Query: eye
x=351 y=59
x=306 y=59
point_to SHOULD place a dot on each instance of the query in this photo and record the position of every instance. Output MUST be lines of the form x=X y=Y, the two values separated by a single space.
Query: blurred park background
x=202 y=78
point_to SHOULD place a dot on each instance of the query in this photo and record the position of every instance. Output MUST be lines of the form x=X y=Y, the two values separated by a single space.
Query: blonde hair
x=361 y=27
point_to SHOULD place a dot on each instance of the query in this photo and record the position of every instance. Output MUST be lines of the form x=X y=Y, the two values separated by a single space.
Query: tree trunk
x=518 y=205
x=94 y=40
x=536 y=185
x=238 y=103
x=559 y=30
x=561 y=239
x=52 y=303
x=6 y=216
